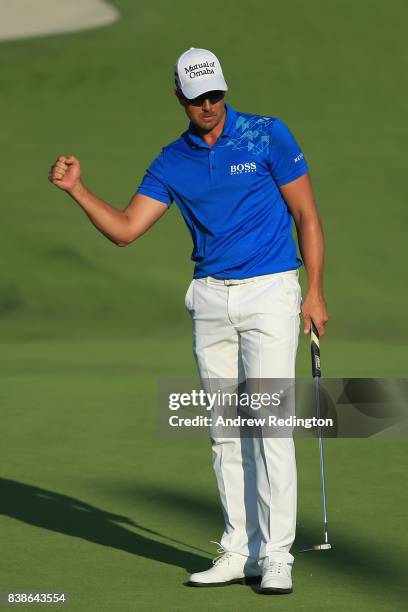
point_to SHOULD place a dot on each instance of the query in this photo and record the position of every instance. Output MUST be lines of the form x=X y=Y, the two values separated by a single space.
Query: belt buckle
x=232 y=281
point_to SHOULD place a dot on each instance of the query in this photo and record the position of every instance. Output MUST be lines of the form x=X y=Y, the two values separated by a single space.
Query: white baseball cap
x=198 y=71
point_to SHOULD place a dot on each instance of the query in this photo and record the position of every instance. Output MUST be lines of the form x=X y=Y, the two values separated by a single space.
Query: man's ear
x=180 y=97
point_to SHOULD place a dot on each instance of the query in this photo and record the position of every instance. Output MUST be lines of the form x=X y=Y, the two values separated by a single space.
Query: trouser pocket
x=188 y=298
x=292 y=293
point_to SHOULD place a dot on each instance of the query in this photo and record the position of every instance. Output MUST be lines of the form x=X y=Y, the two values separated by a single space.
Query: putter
x=316 y=372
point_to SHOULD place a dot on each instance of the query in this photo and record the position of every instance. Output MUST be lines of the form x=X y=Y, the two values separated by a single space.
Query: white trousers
x=249 y=329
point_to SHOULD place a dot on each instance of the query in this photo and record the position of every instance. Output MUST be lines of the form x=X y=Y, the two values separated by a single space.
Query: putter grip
x=315 y=351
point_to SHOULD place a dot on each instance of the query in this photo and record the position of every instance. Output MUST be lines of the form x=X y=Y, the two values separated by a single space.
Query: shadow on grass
x=351 y=558
x=365 y=562
x=70 y=516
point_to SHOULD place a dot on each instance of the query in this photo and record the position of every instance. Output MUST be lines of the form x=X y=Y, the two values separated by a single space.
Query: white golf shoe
x=228 y=568
x=277 y=574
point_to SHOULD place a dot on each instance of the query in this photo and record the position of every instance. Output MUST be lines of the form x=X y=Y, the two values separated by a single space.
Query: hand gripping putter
x=316 y=372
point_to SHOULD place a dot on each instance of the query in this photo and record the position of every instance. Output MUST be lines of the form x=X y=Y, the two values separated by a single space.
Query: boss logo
x=243 y=168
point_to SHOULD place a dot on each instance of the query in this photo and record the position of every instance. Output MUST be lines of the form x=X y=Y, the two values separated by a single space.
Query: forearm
x=311 y=245
x=300 y=200
x=110 y=221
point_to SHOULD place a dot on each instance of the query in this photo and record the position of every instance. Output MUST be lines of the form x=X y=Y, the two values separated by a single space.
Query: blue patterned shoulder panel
x=253 y=134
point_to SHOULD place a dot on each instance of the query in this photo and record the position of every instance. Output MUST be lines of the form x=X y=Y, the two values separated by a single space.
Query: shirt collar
x=229 y=129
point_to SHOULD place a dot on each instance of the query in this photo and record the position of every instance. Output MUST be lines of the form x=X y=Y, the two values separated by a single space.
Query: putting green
x=94 y=503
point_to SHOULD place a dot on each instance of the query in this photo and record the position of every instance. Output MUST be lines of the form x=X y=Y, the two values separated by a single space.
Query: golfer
x=239 y=180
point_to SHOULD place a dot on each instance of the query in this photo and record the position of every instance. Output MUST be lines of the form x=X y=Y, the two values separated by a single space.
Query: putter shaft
x=316 y=372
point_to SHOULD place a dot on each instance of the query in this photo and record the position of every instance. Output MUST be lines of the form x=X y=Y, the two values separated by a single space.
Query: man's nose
x=206 y=105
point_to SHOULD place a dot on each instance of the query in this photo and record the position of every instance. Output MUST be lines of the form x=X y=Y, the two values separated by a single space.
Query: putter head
x=318 y=547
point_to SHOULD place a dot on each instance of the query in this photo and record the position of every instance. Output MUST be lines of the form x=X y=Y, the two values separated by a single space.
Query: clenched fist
x=65 y=173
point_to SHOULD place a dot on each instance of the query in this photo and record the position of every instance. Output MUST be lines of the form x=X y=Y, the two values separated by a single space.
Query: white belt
x=239 y=281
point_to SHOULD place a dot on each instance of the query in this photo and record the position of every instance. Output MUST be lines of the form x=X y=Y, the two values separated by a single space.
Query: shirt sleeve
x=286 y=159
x=154 y=184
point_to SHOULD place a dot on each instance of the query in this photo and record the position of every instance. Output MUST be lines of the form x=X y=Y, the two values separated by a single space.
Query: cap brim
x=193 y=90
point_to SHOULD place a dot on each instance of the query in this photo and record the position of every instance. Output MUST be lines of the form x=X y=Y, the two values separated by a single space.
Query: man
x=239 y=180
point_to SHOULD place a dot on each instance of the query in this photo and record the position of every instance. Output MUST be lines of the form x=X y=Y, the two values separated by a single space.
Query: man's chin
x=208 y=124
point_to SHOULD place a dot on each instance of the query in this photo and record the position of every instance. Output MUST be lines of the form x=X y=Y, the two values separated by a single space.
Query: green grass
x=94 y=502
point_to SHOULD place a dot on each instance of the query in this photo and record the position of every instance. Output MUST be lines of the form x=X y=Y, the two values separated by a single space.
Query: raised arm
x=120 y=226
x=300 y=200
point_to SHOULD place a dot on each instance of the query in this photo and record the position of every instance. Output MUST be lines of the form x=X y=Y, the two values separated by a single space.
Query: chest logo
x=243 y=168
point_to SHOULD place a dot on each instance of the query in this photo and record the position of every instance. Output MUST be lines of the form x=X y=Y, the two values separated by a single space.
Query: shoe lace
x=224 y=555
x=274 y=568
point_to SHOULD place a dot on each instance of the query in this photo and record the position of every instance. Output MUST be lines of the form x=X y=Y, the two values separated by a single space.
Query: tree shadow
x=73 y=517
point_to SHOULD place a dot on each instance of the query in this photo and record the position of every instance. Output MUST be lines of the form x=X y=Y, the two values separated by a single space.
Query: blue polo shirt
x=229 y=195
